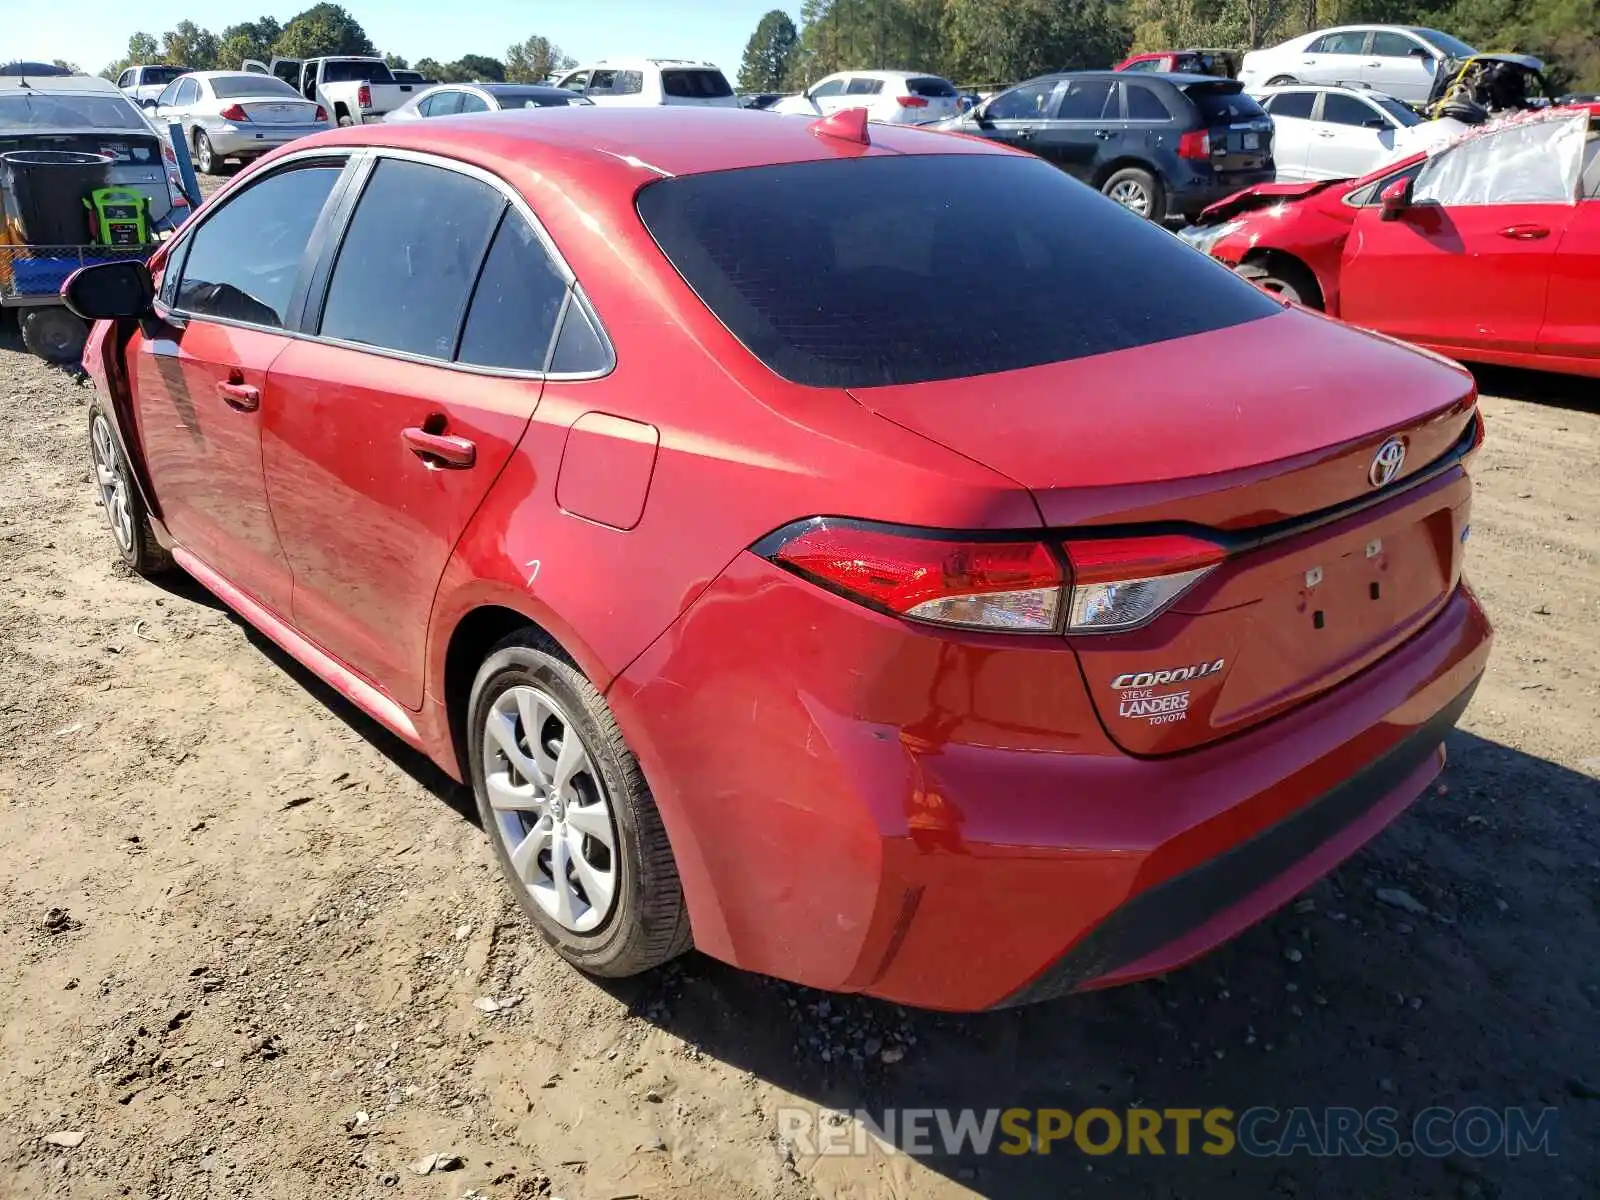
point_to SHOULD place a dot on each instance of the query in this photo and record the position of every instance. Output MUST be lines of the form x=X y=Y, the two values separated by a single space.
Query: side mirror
x=1375 y=123
x=1395 y=199
x=108 y=291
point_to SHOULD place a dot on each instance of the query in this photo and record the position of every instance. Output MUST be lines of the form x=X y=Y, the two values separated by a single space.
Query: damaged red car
x=772 y=604
x=1487 y=249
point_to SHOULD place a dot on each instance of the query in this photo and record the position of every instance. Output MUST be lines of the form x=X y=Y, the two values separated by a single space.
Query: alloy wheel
x=112 y=483
x=204 y=158
x=1131 y=195
x=551 y=809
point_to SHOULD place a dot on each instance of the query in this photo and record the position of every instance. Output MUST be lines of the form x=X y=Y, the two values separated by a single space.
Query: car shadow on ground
x=1539 y=387
x=1337 y=1000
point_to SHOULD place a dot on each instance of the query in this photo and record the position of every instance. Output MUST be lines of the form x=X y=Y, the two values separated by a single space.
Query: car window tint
x=834 y=293
x=864 y=87
x=516 y=303
x=230 y=87
x=1349 y=42
x=1030 y=102
x=1223 y=103
x=337 y=70
x=699 y=83
x=242 y=264
x=1144 y=104
x=410 y=257
x=1387 y=44
x=188 y=91
x=445 y=104
x=168 y=97
x=126 y=79
x=1291 y=104
x=1146 y=64
x=829 y=87
x=1085 y=99
x=1403 y=116
x=471 y=103
x=580 y=350
x=1346 y=110
x=575 y=82
x=931 y=86
x=628 y=83
x=602 y=81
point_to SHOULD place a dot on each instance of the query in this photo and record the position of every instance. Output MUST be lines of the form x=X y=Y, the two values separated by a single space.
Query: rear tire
x=1286 y=278
x=346 y=121
x=205 y=156
x=54 y=334
x=620 y=910
x=1137 y=190
x=119 y=495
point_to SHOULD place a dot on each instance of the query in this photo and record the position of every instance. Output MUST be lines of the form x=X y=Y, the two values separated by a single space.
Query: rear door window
x=1291 y=104
x=1388 y=44
x=698 y=83
x=929 y=267
x=1087 y=100
x=628 y=83
x=471 y=103
x=1347 y=110
x=244 y=262
x=188 y=92
x=1348 y=42
x=1144 y=104
x=861 y=85
x=516 y=302
x=410 y=258
x=1030 y=102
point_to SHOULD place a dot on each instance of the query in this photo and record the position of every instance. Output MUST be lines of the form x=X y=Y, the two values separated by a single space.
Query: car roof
x=80 y=85
x=596 y=141
x=629 y=63
x=1340 y=88
x=890 y=74
x=230 y=74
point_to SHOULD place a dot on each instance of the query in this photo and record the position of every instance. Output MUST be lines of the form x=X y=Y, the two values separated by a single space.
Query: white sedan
x=453 y=99
x=1401 y=60
x=1335 y=132
x=236 y=114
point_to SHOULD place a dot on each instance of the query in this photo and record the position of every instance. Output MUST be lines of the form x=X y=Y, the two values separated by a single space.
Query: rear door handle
x=1525 y=233
x=1375 y=63
x=440 y=449
x=1103 y=134
x=1024 y=134
x=242 y=396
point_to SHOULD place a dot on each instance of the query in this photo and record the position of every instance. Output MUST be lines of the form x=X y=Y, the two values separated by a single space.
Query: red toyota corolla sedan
x=870 y=557
x=1487 y=250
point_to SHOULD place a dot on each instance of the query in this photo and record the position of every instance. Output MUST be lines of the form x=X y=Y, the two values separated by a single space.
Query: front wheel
x=1283 y=278
x=572 y=821
x=1137 y=191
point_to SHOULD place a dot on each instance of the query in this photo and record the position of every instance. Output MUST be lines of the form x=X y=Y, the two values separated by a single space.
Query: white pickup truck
x=354 y=90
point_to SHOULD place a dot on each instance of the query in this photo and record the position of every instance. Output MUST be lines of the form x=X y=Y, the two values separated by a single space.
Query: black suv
x=1162 y=145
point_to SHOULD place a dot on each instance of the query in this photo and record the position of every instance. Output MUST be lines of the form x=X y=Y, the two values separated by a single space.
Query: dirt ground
x=250 y=938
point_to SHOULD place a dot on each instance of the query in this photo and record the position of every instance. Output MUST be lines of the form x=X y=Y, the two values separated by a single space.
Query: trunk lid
x=1325 y=573
x=280 y=112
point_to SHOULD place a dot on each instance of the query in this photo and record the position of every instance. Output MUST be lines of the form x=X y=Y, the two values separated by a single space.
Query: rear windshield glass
x=699 y=84
x=1219 y=105
x=229 y=86
x=928 y=85
x=46 y=111
x=911 y=268
x=162 y=75
x=338 y=71
x=535 y=98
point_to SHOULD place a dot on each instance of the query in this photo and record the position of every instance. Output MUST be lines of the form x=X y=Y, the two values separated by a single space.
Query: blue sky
x=92 y=33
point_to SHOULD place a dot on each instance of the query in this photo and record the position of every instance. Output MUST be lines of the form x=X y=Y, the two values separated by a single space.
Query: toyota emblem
x=1386 y=463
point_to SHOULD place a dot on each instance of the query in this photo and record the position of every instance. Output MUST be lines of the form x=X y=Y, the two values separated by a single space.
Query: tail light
x=364 y=96
x=1122 y=583
x=1195 y=144
x=1088 y=586
x=322 y=114
x=234 y=112
x=913 y=101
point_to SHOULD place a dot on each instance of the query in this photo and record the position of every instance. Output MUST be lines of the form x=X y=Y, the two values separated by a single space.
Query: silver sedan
x=452 y=99
x=236 y=114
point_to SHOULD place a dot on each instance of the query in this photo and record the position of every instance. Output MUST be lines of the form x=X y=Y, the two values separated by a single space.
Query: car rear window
x=697 y=84
x=932 y=87
x=1222 y=103
x=344 y=71
x=227 y=87
x=54 y=111
x=162 y=75
x=913 y=268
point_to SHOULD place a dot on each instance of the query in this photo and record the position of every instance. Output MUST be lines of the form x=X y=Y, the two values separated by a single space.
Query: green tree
x=249 y=39
x=532 y=60
x=431 y=68
x=321 y=30
x=143 y=49
x=1008 y=40
x=189 y=46
x=768 y=53
x=477 y=68
x=396 y=62
x=68 y=66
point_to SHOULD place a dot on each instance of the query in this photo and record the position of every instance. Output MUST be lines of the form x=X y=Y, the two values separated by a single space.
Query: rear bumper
x=942 y=821
x=1191 y=196
x=231 y=141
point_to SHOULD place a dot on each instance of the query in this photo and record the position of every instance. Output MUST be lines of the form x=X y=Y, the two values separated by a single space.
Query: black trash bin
x=44 y=190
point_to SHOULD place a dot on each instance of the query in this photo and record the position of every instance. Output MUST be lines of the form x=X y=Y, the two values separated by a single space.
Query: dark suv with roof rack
x=1162 y=145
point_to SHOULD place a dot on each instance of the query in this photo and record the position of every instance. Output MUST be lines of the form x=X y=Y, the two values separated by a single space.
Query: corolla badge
x=1386 y=463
